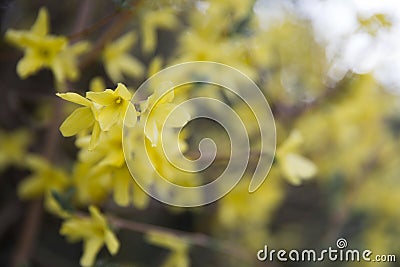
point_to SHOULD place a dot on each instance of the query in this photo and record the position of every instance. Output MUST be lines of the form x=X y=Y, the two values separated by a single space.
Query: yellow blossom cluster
x=337 y=140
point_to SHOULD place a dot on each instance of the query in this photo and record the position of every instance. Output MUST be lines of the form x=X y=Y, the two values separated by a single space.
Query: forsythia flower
x=108 y=152
x=117 y=59
x=126 y=190
x=107 y=161
x=92 y=184
x=152 y=20
x=81 y=119
x=114 y=106
x=13 y=147
x=158 y=115
x=43 y=180
x=100 y=111
x=178 y=246
x=46 y=51
x=294 y=167
x=94 y=231
x=97 y=84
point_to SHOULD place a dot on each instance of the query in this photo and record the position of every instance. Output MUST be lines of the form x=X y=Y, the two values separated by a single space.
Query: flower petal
x=91 y=248
x=123 y=92
x=41 y=25
x=108 y=117
x=103 y=98
x=112 y=242
x=94 y=140
x=28 y=65
x=74 y=98
x=80 y=119
x=297 y=168
x=130 y=116
x=121 y=188
x=31 y=187
x=130 y=66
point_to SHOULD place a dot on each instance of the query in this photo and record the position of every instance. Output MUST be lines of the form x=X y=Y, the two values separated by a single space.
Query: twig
x=112 y=32
x=92 y=27
x=198 y=239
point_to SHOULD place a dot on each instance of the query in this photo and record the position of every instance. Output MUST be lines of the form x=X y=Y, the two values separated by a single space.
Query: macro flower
x=165 y=19
x=46 y=51
x=107 y=153
x=294 y=167
x=81 y=118
x=44 y=178
x=94 y=231
x=97 y=84
x=92 y=184
x=126 y=190
x=118 y=61
x=114 y=106
x=13 y=147
x=162 y=107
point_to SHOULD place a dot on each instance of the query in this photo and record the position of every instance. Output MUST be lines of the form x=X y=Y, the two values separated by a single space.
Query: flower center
x=44 y=53
x=118 y=100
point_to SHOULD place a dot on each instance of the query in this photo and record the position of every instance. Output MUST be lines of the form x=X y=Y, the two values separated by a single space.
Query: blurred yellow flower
x=164 y=18
x=179 y=248
x=118 y=61
x=162 y=107
x=46 y=51
x=94 y=231
x=92 y=184
x=44 y=178
x=154 y=66
x=294 y=167
x=97 y=84
x=126 y=190
x=13 y=147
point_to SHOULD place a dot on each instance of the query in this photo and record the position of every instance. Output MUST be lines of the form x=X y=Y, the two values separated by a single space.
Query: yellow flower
x=97 y=84
x=114 y=106
x=108 y=152
x=81 y=119
x=94 y=231
x=294 y=167
x=178 y=246
x=44 y=178
x=126 y=190
x=92 y=184
x=46 y=51
x=154 y=66
x=13 y=147
x=117 y=59
x=153 y=20
x=159 y=113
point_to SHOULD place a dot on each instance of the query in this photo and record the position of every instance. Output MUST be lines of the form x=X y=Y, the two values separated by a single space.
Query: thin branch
x=93 y=27
x=111 y=33
x=198 y=239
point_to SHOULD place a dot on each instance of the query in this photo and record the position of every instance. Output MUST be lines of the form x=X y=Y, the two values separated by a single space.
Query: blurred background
x=329 y=70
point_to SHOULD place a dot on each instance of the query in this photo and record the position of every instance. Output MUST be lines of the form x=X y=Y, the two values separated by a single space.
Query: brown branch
x=93 y=27
x=198 y=239
x=111 y=33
